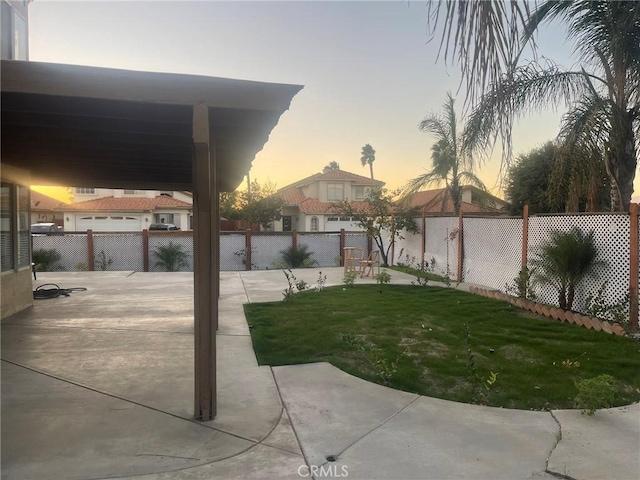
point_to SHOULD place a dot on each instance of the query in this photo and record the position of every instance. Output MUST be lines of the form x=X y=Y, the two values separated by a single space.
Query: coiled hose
x=42 y=293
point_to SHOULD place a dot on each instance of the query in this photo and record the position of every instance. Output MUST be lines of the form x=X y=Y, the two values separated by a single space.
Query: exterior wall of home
x=467 y=196
x=17 y=292
x=98 y=193
x=15 y=281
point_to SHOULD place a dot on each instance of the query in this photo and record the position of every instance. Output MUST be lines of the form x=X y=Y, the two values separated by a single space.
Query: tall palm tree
x=368 y=156
x=451 y=165
x=489 y=37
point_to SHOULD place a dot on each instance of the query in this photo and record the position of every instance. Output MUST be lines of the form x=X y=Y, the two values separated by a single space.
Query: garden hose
x=41 y=293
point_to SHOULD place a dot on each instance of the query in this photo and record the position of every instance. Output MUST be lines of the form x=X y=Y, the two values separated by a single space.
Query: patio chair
x=367 y=265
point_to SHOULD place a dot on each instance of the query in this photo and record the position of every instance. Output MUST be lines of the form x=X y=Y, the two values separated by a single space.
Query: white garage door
x=126 y=223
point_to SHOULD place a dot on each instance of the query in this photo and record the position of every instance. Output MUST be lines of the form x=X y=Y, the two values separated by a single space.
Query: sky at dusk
x=369 y=72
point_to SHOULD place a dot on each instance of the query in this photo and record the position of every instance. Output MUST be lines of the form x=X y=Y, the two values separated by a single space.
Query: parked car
x=45 y=228
x=163 y=226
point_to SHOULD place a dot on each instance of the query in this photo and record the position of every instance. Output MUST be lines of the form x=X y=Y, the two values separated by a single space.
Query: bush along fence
x=159 y=251
x=506 y=254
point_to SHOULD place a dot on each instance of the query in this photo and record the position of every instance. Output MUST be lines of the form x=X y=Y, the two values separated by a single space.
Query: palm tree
x=489 y=37
x=332 y=165
x=451 y=165
x=564 y=261
x=368 y=157
x=172 y=257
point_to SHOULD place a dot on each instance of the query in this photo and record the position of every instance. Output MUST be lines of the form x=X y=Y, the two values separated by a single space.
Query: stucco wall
x=17 y=292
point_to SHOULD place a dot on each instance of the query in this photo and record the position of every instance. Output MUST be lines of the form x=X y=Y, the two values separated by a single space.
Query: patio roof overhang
x=104 y=127
x=101 y=127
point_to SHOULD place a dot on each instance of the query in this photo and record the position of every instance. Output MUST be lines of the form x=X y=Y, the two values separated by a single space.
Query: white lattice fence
x=72 y=249
x=439 y=244
x=118 y=252
x=611 y=233
x=408 y=250
x=186 y=242
x=357 y=240
x=232 y=252
x=325 y=247
x=266 y=249
x=492 y=251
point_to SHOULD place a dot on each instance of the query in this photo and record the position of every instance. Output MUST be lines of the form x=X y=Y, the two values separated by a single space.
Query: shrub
x=46 y=259
x=594 y=393
x=102 y=262
x=349 y=279
x=296 y=257
x=171 y=257
x=383 y=277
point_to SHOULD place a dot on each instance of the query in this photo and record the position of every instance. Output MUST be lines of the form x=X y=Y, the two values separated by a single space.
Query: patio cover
x=101 y=127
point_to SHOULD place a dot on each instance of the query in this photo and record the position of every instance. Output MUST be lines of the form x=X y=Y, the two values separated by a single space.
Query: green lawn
x=365 y=329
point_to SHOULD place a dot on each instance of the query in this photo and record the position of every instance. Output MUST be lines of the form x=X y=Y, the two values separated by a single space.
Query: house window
x=24 y=233
x=85 y=191
x=129 y=192
x=314 y=224
x=359 y=193
x=335 y=191
x=332 y=219
x=6 y=228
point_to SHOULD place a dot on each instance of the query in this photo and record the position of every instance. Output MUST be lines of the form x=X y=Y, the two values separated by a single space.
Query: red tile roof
x=431 y=200
x=40 y=202
x=129 y=204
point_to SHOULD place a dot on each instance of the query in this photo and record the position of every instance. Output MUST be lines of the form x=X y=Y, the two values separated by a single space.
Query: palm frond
x=425 y=180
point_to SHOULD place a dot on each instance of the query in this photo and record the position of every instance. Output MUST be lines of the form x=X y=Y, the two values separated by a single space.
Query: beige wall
x=17 y=292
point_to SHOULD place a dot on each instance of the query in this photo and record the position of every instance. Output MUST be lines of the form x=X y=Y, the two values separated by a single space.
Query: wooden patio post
x=90 y=255
x=145 y=250
x=247 y=249
x=294 y=238
x=342 y=243
x=423 y=235
x=633 y=264
x=460 y=246
x=206 y=262
x=525 y=236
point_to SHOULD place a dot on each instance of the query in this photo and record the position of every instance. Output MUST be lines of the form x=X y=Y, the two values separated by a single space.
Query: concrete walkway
x=99 y=385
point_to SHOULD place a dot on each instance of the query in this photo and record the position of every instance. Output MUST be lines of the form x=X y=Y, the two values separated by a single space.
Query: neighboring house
x=126 y=214
x=308 y=202
x=474 y=200
x=45 y=209
x=80 y=194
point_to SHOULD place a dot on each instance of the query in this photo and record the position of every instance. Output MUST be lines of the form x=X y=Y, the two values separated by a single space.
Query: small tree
x=564 y=261
x=171 y=257
x=381 y=217
x=260 y=205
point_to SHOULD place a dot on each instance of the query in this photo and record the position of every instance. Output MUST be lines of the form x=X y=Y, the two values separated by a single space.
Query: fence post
x=633 y=264
x=423 y=237
x=369 y=245
x=90 y=257
x=342 y=242
x=247 y=249
x=460 y=246
x=294 y=239
x=145 y=250
x=525 y=236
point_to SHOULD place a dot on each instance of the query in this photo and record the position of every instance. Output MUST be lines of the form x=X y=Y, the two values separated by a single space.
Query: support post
x=423 y=236
x=525 y=236
x=90 y=255
x=460 y=246
x=342 y=243
x=369 y=245
x=145 y=250
x=206 y=258
x=633 y=264
x=247 y=249
x=294 y=239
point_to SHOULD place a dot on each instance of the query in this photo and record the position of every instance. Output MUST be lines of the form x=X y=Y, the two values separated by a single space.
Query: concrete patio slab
x=331 y=410
x=56 y=430
x=605 y=445
x=361 y=423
